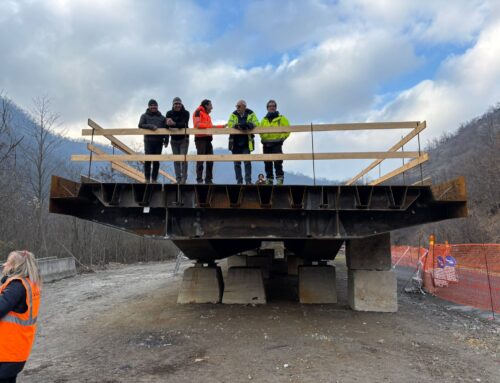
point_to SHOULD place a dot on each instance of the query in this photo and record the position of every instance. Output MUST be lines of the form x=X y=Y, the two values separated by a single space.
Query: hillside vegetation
x=473 y=151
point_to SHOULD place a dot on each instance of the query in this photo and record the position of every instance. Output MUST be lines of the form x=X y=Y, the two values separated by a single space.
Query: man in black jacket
x=178 y=118
x=153 y=144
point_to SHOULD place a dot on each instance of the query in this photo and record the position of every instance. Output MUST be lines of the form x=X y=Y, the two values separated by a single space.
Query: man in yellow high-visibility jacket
x=273 y=142
x=245 y=120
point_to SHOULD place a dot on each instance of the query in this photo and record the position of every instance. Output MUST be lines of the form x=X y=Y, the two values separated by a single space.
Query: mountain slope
x=474 y=152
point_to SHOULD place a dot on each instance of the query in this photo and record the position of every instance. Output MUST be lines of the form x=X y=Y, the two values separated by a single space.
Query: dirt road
x=123 y=325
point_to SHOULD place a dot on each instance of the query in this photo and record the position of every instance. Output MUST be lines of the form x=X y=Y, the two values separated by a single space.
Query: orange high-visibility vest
x=202 y=120
x=17 y=331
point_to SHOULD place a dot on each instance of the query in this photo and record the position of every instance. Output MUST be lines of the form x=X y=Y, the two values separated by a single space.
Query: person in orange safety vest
x=19 y=303
x=203 y=142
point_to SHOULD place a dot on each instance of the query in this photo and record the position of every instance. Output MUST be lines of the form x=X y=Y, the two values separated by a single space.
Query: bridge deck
x=214 y=221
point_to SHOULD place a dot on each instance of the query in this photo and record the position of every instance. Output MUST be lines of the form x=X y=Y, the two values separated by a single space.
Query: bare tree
x=41 y=161
x=8 y=142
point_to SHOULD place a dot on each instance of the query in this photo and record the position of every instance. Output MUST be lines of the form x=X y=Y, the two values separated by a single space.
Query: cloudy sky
x=323 y=61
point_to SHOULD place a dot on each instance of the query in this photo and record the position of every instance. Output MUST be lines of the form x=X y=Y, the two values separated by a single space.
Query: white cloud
x=465 y=87
x=106 y=59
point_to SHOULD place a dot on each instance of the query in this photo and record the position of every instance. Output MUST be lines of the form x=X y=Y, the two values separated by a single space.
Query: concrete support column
x=293 y=264
x=317 y=284
x=236 y=261
x=372 y=285
x=201 y=285
x=262 y=261
x=369 y=253
x=244 y=285
x=370 y=290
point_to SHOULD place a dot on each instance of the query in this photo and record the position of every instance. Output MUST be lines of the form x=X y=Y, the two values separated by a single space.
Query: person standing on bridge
x=243 y=119
x=153 y=144
x=203 y=142
x=19 y=302
x=273 y=142
x=178 y=118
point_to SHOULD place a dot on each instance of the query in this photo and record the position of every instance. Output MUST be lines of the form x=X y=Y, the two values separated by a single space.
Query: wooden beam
x=245 y=157
x=401 y=169
x=121 y=145
x=127 y=172
x=420 y=126
x=276 y=129
x=119 y=166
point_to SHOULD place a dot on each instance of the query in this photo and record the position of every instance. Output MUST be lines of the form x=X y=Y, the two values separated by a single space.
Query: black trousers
x=181 y=168
x=9 y=371
x=152 y=147
x=272 y=148
x=204 y=146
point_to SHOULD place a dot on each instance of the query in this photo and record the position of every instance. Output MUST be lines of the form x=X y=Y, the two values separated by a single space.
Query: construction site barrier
x=467 y=274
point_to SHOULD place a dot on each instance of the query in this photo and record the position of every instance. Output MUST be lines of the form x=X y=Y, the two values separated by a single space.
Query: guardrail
x=118 y=162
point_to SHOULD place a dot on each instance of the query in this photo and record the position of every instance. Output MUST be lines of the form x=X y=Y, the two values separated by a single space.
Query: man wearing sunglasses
x=242 y=119
x=273 y=142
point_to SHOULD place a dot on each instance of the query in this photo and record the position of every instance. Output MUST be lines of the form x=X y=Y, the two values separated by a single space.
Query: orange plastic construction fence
x=467 y=274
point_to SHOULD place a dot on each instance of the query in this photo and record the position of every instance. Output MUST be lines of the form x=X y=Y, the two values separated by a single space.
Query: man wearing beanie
x=273 y=142
x=178 y=118
x=152 y=119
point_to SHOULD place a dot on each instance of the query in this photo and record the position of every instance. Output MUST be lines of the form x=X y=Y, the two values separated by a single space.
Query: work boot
x=280 y=180
x=208 y=182
x=269 y=181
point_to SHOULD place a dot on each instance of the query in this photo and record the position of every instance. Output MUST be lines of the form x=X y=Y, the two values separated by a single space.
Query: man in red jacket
x=203 y=142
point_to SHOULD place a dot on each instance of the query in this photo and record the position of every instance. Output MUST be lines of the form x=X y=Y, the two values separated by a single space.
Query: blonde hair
x=23 y=265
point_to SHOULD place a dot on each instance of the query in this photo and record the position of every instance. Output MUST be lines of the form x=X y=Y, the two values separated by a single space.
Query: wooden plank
x=114 y=141
x=127 y=172
x=277 y=129
x=121 y=167
x=122 y=146
x=245 y=157
x=421 y=126
x=395 y=172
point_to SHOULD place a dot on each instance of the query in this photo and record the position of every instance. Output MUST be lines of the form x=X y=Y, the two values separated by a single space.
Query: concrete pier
x=244 y=285
x=236 y=261
x=369 y=253
x=372 y=286
x=293 y=264
x=201 y=285
x=317 y=284
x=372 y=290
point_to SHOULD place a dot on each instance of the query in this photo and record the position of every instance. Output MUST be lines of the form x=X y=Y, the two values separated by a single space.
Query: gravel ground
x=123 y=325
